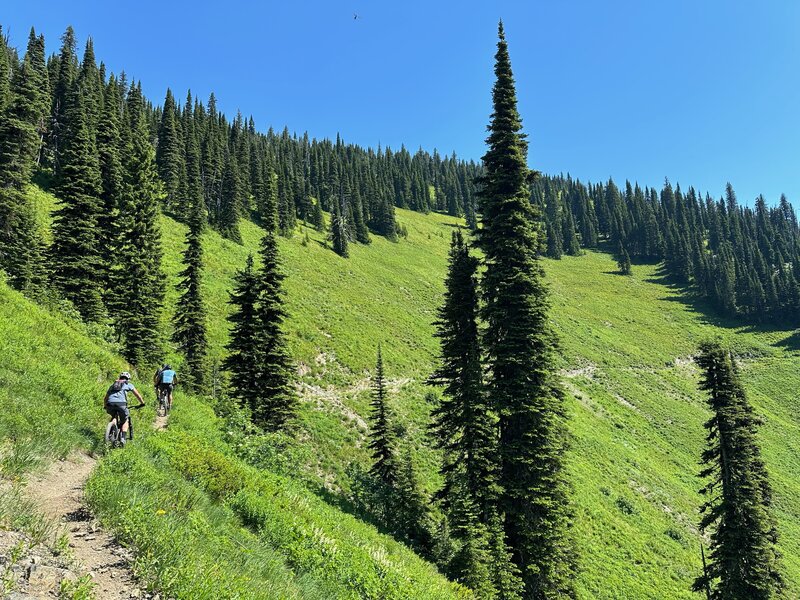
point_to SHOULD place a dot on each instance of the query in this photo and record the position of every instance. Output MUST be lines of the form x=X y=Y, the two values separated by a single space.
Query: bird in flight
x=355 y=16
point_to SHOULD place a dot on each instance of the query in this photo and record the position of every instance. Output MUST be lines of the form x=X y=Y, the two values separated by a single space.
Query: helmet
x=124 y=375
x=167 y=368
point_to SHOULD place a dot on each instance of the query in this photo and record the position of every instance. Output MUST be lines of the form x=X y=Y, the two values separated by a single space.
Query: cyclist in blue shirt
x=165 y=381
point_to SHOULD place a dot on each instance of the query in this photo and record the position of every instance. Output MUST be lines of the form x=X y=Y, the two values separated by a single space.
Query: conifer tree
x=169 y=157
x=744 y=562
x=465 y=429
x=339 y=227
x=519 y=348
x=276 y=403
x=463 y=424
x=190 y=314
x=38 y=64
x=140 y=278
x=21 y=245
x=623 y=260
x=67 y=72
x=230 y=200
x=75 y=254
x=109 y=142
x=244 y=348
x=382 y=442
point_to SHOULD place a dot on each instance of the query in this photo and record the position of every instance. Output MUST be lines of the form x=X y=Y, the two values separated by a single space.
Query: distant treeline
x=742 y=259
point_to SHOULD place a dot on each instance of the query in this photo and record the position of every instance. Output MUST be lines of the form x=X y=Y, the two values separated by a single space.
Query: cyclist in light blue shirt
x=165 y=382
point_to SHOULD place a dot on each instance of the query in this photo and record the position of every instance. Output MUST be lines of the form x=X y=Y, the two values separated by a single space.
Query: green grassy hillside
x=626 y=362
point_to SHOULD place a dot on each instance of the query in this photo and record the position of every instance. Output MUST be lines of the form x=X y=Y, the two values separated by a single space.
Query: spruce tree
x=623 y=260
x=463 y=425
x=339 y=227
x=228 y=215
x=519 y=346
x=109 y=143
x=190 y=315
x=276 y=402
x=21 y=245
x=744 y=562
x=169 y=158
x=65 y=76
x=381 y=436
x=140 y=279
x=244 y=349
x=75 y=261
x=465 y=429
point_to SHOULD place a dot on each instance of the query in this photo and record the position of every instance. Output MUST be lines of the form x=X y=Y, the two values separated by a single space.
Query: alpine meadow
x=397 y=375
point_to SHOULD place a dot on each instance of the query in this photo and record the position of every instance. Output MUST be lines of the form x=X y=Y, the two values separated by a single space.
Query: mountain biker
x=116 y=401
x=165 y=381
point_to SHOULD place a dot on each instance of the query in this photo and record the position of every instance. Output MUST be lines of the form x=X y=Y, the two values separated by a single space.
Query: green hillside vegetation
x=636 y=412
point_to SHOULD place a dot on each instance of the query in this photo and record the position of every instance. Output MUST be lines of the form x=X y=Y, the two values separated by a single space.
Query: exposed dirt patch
x=59 y=495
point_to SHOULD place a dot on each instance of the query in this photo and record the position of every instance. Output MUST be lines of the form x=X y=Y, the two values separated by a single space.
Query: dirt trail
x=160 y=424
x=59 y=494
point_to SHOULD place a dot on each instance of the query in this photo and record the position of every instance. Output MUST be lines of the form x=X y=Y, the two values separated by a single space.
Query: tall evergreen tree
x=276 y=402
x=170 y=156
x=743 y=562
x=244 y=349
x=339 y=227
x=65 y=77
x=463 y=424
x=519 y=347
x=465 y=429
x=190 y=314
x=75 y=254
x=228 y=216
x=21 y=245
x=382 y=442
x=141 y=278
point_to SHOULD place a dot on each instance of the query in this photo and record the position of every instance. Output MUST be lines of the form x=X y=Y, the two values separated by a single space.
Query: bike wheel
x=112 y=432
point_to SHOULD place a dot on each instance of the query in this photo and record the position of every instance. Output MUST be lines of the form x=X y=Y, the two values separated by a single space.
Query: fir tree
x=21 y=246
x=169 y=157
x=140 y=278
x=463 y=425
x=519 y=351
x=228 y=216
x=111 y=174
x=67 y=72
x=382 y=442
x=743 y=562
x=339 y=228
x=276 y=403
x=244 y=348
x=623 y=260
x=75 y=254
x=190 y=314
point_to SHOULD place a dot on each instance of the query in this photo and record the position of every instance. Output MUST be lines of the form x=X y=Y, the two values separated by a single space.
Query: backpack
x=116 y=387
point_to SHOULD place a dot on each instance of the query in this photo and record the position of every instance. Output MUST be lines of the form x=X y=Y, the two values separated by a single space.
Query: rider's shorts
x=120 y=410
x=166 y=387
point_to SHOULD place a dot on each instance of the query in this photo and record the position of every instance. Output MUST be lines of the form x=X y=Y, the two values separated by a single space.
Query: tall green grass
x=636 y=413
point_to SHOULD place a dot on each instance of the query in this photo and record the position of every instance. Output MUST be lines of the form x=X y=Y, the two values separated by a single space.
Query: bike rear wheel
x=112 y=433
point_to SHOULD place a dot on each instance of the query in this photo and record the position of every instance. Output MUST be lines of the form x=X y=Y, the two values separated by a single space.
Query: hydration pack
x=116 y=387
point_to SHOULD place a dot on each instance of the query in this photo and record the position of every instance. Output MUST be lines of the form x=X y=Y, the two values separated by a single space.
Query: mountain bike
x=115 y=437
x=164 y=405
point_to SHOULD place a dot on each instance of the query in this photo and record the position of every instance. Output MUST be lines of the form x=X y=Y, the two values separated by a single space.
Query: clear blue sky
x=700 y=91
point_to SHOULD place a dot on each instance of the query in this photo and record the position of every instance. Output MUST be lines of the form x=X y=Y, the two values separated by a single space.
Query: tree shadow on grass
x=709 y=315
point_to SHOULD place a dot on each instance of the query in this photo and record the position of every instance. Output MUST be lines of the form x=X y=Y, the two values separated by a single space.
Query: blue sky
x=702 y=92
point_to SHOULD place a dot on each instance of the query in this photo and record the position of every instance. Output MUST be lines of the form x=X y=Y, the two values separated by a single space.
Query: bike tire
x=112 y=433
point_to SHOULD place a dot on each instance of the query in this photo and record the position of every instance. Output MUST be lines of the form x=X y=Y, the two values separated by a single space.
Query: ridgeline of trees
x=742 y=260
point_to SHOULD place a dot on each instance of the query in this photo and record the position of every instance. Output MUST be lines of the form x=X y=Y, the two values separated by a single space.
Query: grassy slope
x=636 y=413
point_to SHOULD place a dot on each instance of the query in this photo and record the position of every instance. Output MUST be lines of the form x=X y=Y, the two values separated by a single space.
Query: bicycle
x=115 y=437
x=164 y=405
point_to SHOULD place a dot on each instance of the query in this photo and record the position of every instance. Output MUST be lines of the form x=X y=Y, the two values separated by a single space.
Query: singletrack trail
x=59 y=494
